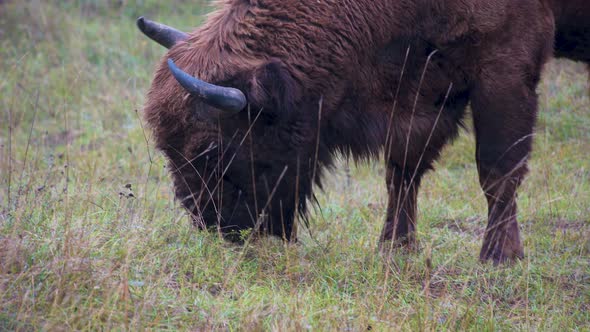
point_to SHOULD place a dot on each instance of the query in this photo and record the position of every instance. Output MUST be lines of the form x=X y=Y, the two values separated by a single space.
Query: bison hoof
x=390 y=246
x=502 y=254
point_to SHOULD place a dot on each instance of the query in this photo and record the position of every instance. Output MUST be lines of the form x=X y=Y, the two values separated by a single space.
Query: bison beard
x=359 y=78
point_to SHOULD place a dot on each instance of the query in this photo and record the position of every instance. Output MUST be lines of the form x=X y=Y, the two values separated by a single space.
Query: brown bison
x=253 y=106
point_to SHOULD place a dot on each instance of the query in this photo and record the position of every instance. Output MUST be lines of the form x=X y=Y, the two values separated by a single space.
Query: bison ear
x=273 y=88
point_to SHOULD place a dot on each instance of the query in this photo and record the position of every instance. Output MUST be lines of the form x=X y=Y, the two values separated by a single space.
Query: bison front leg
x=400 y=223
x=504 y=115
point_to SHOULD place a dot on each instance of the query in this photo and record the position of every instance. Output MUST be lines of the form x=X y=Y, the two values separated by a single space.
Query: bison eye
x=229 y=181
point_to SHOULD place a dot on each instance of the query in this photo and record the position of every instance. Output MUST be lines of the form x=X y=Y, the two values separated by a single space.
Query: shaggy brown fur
x=572 y=35
x=358 y=77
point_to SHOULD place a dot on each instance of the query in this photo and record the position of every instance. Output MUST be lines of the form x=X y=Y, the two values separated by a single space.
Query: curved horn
x=160 y=33
x=226 y=99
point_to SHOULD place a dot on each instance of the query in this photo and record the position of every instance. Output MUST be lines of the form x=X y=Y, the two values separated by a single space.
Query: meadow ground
x=91 y=238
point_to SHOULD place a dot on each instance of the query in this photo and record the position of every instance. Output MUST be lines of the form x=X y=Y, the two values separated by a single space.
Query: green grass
x=79 y=252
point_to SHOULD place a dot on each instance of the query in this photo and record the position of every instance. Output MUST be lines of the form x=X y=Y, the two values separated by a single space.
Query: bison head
x=239 y=136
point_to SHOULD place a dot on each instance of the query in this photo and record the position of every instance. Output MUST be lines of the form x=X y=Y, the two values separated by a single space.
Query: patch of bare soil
x=475 y=225
x=570 y=225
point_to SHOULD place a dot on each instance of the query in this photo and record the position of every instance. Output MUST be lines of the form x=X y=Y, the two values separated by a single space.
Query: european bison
x=292 y=83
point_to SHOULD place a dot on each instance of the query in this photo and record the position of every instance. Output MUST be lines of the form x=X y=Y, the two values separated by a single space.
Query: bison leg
x=504 y=115
x=400 y=223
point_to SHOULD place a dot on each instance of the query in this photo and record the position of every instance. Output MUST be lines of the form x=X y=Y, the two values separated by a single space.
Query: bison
x=251 y=108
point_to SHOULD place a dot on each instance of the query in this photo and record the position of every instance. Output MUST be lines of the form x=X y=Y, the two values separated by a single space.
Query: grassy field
x=91 y=238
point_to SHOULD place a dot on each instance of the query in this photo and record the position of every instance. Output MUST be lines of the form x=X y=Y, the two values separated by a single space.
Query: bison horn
x=160 y=33
x=223 y=98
